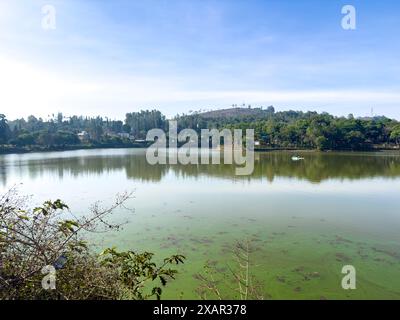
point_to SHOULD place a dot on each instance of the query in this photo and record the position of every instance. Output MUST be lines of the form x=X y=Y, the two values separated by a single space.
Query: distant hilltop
x=237 y=112
x=259 y=113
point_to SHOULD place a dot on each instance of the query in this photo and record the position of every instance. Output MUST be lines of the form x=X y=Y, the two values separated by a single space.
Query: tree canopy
x=286 y=129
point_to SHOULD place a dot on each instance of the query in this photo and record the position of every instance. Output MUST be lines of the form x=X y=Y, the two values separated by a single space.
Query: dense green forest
x=302 y=130
x=286 y=129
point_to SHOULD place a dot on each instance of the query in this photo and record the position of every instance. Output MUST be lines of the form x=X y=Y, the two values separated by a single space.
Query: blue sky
x=112 y=57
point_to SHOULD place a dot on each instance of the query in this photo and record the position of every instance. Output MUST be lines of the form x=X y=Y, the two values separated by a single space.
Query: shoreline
x=17 y=150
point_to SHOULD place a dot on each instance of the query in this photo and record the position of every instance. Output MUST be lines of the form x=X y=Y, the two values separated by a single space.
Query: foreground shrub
x=44 y=255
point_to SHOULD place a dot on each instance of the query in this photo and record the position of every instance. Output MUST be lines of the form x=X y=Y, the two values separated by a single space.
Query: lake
x=304 y=220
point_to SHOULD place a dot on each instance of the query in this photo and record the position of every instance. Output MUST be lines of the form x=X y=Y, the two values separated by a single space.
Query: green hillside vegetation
x=301 y=130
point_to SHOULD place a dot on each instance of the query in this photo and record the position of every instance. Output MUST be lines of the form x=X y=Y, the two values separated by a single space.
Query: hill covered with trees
x=302 y=130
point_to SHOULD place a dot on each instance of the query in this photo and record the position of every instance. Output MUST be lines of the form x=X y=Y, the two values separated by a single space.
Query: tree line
x=286 y=129
x=302 y=130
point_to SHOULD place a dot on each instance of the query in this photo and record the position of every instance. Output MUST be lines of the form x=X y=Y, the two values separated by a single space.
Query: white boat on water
x=296 y=158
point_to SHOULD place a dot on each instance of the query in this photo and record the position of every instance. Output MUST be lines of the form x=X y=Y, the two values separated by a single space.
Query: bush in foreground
x=49 y=238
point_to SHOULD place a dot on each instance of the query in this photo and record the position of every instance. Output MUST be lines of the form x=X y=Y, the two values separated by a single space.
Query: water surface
x=305 y=219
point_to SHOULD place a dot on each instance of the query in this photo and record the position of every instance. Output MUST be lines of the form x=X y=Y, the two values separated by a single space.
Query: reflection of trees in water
x=315 y=168
x=3 y=172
